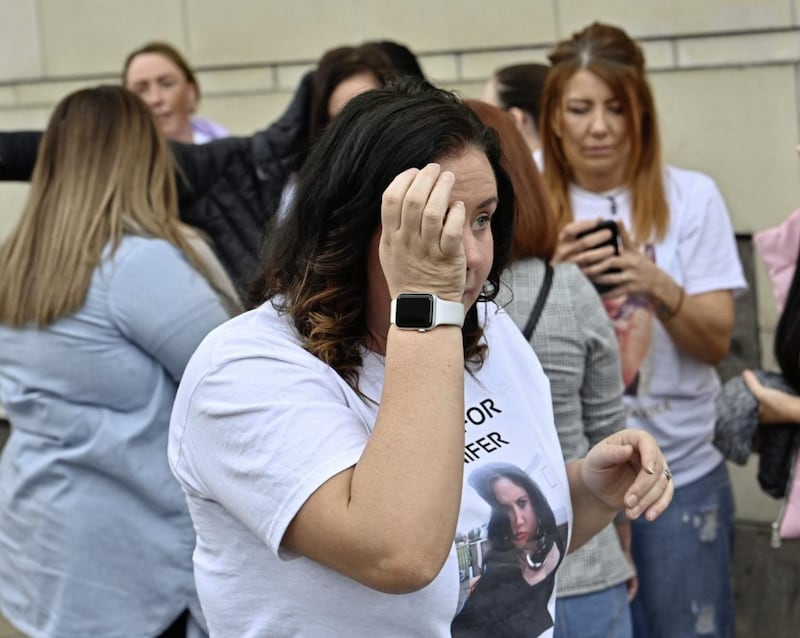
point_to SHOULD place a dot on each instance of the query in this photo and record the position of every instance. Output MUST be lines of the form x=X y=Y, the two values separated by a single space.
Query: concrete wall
x=725 y=75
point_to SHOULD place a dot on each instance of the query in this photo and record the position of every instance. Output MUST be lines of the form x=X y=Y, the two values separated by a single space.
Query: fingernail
x=631 y=500
x=650 y=469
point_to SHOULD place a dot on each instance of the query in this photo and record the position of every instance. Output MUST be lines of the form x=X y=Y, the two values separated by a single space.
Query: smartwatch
x=423 y=311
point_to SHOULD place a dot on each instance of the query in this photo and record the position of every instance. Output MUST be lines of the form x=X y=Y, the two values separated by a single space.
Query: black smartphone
x=606 y=224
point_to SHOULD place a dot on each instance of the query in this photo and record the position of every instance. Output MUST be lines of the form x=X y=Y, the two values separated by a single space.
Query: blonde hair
x=103 y=169
x=610 y=54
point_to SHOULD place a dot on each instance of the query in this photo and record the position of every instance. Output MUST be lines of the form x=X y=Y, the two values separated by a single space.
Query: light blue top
x=95 y=536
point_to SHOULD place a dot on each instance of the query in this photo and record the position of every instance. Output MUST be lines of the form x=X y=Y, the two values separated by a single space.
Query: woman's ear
x=520 y=118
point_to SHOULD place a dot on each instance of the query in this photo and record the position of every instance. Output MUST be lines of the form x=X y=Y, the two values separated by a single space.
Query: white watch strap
x=448 y=313
x=443 y=313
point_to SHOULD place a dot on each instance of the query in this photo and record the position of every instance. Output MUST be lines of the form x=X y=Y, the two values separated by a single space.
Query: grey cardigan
x=576 y=345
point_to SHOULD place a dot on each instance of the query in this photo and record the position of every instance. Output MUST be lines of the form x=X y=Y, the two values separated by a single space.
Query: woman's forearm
x=787 y=408
x=700 y=325
x=590 y=514
x=389 y=521
x=417 y=443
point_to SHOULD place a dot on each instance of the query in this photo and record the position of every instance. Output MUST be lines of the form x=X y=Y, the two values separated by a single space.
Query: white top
x=670 y=393
x=259 y=424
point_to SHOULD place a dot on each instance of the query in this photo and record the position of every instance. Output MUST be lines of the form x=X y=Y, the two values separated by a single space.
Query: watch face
x=414 y=311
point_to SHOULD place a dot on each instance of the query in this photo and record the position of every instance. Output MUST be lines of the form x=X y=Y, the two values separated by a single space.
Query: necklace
x=536 y=558
x=534 y=564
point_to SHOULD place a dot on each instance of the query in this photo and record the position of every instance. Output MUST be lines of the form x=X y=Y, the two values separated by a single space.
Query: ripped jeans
x=684 y=564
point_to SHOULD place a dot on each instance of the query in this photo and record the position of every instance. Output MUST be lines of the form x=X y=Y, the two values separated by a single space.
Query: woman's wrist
x=667 y=298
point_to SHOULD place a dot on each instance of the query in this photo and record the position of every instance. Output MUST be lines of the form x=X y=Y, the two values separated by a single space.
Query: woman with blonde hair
x=669 y=292
x=104 y=296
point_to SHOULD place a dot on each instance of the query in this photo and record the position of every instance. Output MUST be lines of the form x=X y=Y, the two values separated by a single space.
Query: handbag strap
x=533 y=319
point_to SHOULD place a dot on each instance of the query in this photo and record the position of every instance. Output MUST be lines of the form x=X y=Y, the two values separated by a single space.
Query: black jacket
x=229 y=188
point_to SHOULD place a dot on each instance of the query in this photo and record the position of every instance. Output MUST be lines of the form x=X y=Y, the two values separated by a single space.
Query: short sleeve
x=162 y=304
x=707 y=249
x=258 y=434
x=778 y=248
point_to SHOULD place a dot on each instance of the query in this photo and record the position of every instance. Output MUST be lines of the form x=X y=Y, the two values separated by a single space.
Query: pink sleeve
x=778 y=247
x=790 y=522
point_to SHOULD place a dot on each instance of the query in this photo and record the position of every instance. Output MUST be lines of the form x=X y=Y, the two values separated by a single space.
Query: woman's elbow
x=715 y=350
x=408 y=571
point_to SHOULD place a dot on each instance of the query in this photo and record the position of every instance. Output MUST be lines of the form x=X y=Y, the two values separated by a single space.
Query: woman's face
x=514 y=498
x=594 y=133
x=475 y=185
x=165 y=89
x=348 y=88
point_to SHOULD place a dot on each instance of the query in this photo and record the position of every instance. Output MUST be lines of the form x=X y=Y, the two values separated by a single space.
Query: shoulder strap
x=540 y=301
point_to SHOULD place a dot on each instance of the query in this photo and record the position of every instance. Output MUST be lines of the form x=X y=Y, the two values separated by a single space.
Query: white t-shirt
x=259 y=424
x=669 y=393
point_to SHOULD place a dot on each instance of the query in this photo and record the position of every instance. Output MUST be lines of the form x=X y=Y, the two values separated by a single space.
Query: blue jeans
x=603 y=614
x=684 y=564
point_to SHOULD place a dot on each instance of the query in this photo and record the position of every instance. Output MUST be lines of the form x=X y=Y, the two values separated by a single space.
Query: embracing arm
x=277 y=147
x=18 y=151
x=774 y=406
x=267 y=157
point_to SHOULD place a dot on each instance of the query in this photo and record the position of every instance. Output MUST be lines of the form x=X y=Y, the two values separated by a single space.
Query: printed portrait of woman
x=513 y=570
x=632 y=318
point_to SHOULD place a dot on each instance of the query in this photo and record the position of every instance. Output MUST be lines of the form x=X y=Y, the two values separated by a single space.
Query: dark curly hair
x=314 y=264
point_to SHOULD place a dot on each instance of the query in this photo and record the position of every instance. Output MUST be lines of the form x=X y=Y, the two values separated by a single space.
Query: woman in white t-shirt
x=671 y=298
x=324 y=439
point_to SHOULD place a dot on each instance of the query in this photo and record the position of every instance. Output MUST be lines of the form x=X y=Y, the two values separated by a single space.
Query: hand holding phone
x=613 y=241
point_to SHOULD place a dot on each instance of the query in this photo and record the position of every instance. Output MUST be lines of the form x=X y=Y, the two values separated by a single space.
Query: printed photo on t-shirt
x=632 y=318
x=507 y=565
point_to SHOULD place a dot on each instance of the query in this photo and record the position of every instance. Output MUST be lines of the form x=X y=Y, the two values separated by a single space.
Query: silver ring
x=667 y=473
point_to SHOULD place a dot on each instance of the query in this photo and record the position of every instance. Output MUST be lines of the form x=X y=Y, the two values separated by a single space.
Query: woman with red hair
x=671 y=298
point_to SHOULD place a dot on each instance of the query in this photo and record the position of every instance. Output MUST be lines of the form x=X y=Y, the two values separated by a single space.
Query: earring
x=488 y=292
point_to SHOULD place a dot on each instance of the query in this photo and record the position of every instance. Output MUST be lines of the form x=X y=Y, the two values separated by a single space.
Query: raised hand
x=421 y=245
x=628 y=470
